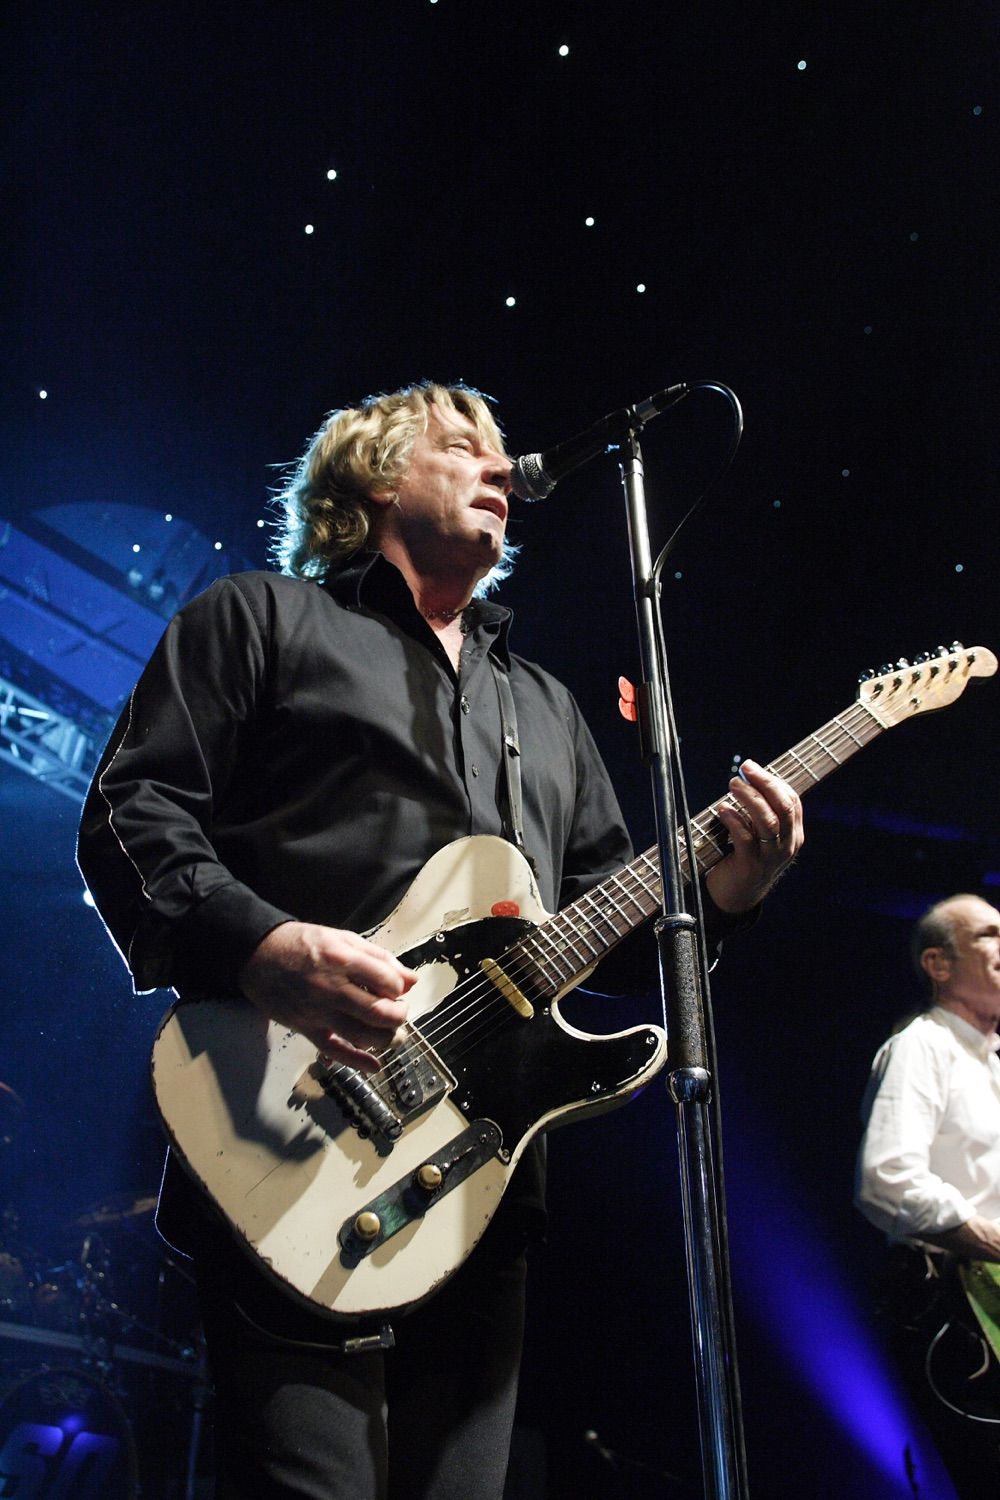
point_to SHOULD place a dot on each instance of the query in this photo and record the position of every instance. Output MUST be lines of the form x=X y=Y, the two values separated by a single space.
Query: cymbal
x=116 y=1209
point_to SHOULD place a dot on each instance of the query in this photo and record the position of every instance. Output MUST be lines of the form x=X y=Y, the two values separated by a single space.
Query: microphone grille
x=528 y=479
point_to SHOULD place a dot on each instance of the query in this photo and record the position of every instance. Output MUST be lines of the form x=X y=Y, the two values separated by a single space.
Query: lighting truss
x=45 y=744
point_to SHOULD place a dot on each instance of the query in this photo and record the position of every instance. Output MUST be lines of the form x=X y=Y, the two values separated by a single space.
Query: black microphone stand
x=689 y=1080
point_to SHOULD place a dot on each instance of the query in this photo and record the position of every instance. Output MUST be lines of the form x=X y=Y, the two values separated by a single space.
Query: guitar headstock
x=929 y=682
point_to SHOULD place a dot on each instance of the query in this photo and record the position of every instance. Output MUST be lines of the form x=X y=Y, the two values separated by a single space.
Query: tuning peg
x=885 y=669
x=867 y=676
x=957 y=646
x=942 y=650
x=918 y=661
x=903 y=662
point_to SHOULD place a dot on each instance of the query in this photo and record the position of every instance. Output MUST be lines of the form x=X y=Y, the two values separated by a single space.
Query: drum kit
x=102 y=1376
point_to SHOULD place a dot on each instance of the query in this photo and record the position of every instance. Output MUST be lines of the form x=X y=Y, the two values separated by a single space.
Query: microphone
x=536 y=475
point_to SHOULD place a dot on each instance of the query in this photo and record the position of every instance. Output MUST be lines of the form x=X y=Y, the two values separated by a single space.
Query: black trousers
x=429 y=1419
x=950 y=1375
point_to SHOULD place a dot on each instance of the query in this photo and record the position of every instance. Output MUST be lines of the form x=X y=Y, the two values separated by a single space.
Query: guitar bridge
x=380 y=1105
x=363 y=1105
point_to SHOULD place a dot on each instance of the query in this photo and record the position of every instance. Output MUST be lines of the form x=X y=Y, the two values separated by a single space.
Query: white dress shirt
x=930 y=1157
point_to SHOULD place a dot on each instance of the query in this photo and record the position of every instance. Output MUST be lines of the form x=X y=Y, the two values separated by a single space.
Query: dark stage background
x=807 y=196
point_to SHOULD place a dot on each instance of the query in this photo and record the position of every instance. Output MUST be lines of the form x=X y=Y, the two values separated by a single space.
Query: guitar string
x=463 y=1000
x=520 y=963
x=464 y=997
x=581 y=922
x=840 y=730
x=523 y=965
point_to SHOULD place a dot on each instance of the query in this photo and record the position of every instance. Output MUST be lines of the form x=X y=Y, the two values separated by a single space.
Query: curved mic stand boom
x=689 y=1080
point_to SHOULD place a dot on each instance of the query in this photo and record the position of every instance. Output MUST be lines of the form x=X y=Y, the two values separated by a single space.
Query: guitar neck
x=564 y=948
x=805 y=765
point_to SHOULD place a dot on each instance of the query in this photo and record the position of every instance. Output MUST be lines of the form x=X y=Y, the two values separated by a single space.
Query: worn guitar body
x=292 y=1155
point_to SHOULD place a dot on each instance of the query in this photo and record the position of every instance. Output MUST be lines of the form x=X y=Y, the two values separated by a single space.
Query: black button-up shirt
x=300 y=750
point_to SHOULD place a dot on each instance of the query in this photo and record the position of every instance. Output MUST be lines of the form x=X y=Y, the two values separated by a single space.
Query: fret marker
x=505 y=909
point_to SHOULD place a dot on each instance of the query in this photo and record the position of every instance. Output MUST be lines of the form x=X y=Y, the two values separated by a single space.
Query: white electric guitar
x=361 y=1194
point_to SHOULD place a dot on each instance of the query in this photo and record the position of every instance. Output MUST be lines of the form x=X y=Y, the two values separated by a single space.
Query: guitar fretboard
x=558 y=952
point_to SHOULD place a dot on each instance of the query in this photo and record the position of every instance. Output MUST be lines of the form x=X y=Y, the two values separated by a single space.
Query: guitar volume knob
x=429 y=1177
x=367 y=1226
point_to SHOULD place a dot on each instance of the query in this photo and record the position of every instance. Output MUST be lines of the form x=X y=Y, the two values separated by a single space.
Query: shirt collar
x=973 y=1038
x=369 y=580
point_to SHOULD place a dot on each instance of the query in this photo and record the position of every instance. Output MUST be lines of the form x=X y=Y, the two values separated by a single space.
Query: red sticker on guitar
x=505 y=909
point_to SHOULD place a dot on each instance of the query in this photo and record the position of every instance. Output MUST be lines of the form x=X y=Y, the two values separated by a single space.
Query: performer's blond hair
x=325 y=507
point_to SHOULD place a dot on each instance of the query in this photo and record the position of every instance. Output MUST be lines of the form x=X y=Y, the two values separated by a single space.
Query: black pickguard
x=516 y=1071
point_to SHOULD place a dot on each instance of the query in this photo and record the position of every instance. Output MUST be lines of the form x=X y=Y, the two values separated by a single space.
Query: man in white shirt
x=929 y=1176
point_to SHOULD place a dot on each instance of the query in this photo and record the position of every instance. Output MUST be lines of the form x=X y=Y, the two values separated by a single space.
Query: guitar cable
x=360 y=1344
x=935 y=1389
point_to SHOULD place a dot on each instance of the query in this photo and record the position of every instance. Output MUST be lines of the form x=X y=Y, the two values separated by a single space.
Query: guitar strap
x=513 y=817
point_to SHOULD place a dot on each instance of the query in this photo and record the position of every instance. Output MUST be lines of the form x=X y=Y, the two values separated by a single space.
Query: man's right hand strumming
x=341 y=991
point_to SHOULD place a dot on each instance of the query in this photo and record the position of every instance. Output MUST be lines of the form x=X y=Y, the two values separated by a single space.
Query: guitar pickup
x=414 y=1077
x=508 y=989
x=412 y=1196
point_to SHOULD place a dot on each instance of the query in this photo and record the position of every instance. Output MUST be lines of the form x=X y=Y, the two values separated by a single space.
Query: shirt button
x=475 y=770
x=465 y=704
